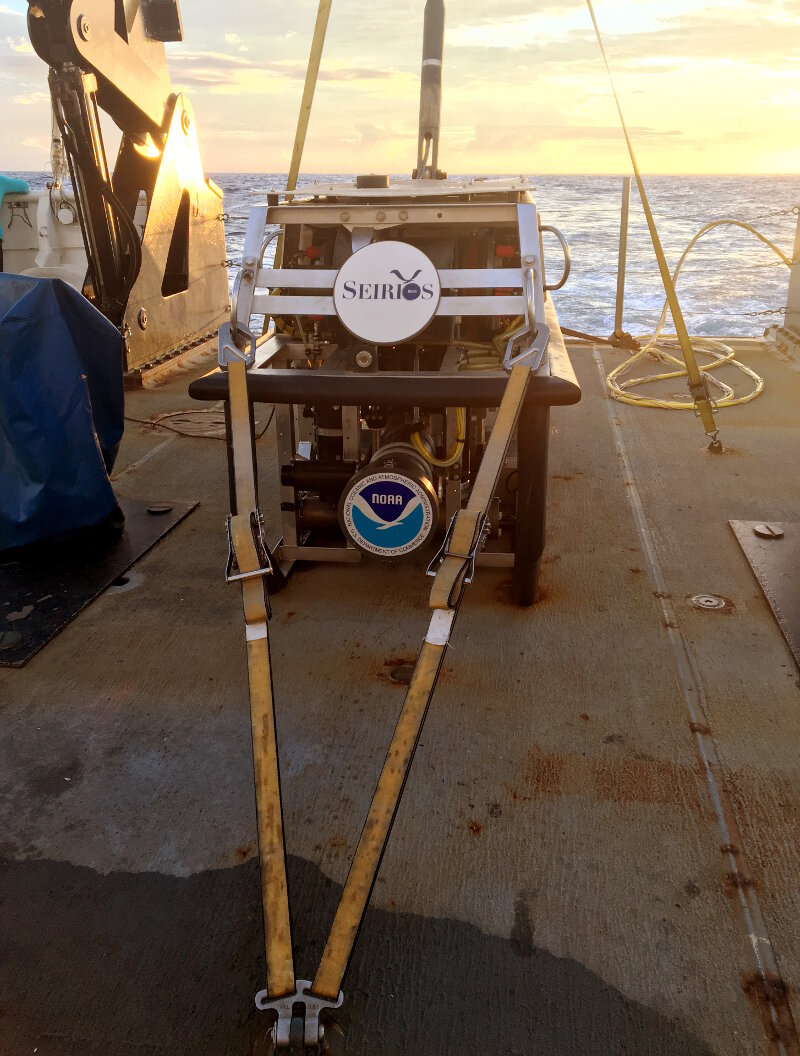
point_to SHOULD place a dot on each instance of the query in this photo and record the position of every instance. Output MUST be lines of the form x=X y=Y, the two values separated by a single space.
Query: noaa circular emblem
x=388 y=514
x=387 y=292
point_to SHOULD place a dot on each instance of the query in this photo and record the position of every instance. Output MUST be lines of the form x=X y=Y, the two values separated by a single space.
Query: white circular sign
x=387 y=292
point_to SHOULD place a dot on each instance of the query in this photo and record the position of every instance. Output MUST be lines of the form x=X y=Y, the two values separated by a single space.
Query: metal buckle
x=700 y=390
x=233 y=573
x=284 y=1006
x=229 y=351
x=468 y=559
x=536 y=348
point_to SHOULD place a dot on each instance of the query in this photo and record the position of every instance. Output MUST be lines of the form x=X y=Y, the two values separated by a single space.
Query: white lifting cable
x=720 y=353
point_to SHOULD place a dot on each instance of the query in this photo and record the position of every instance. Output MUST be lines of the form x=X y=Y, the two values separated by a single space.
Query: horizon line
x=459 y=175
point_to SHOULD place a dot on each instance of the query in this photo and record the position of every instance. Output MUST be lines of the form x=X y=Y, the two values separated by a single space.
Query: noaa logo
x=388 y=514
x=387 y=292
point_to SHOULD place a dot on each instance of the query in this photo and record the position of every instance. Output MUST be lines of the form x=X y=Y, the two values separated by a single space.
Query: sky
x=706 y=87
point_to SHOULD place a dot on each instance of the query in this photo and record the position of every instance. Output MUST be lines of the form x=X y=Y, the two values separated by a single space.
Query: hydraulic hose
x=455 y=454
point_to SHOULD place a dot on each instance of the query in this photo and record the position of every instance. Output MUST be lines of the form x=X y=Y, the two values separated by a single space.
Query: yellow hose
x=455 y=454
x=481 y=355
x=719 y=352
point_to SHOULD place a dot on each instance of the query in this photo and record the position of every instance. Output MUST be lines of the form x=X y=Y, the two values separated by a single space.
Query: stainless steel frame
x=253 y=296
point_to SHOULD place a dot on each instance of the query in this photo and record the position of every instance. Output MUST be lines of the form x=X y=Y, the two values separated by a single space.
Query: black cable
x=159 y=424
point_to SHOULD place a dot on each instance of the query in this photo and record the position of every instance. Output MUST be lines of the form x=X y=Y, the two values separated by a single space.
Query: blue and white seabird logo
x=388 y=514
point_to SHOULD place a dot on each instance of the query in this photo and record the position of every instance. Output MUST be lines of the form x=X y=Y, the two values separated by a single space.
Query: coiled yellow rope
x=719 y=352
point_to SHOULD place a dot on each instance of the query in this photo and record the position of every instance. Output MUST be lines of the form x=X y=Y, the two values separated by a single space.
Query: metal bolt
x=768 y=531
x=141 y=318
x=344 y=216
x=711 y=601
x=380 y=215
x=186 y=121
x=404 y=214
x=530 y=260
x=84 y=29
x=364 y=358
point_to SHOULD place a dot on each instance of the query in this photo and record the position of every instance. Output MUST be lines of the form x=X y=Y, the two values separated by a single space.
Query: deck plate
x=42 y=589
x=776 y=563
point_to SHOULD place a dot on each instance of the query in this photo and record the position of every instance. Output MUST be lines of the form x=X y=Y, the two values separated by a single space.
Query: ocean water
x=730 y=284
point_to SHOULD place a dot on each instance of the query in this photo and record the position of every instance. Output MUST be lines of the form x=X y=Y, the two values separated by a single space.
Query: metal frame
x=252 y=296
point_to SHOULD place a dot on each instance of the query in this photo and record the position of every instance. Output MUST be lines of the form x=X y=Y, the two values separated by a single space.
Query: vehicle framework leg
x=533 y=434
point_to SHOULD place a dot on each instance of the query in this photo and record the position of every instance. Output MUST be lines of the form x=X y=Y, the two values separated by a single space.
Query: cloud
x=31 y=99
x=20 y=45
x=236 y=41
x=509 y=137
x=231 y=73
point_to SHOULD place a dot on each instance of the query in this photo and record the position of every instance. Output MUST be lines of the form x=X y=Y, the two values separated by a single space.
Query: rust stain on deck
x=767 y=810
x=625 y=780
x=769 y=996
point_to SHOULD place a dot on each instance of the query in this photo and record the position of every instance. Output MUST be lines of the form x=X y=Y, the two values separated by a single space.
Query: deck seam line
x=688 y=672
x=145 y=458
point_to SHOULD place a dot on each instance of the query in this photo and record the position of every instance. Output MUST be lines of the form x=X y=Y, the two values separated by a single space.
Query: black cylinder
x=317 y=476
x=430 y=95
x=319 y=515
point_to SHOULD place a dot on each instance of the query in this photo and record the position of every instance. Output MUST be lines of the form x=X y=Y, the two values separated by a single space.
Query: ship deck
x=559 y=878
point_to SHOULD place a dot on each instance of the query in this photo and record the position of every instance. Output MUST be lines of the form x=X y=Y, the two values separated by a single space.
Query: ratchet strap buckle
x=234 y=573
x=314 y=1031
x=699 y=389
x=468 y=558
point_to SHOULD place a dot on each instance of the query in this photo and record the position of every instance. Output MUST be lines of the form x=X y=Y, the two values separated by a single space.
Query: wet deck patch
x=145 y=963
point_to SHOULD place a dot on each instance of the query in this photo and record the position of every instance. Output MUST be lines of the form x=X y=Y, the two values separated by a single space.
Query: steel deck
x=557 y=881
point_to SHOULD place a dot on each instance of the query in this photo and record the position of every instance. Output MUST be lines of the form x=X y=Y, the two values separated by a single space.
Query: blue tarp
x=61 y=410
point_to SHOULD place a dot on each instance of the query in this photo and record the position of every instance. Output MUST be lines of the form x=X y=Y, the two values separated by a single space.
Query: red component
x=314 y=252
x=502 y=293
x=317 y=318
x=504 y=252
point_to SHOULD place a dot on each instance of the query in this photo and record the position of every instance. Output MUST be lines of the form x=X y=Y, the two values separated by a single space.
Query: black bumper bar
x=399 y=389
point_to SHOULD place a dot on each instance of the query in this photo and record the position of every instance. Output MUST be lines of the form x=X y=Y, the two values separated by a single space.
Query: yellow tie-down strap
x=457 y=561
x=698 y=384
x=272 y=854
x=469 y=522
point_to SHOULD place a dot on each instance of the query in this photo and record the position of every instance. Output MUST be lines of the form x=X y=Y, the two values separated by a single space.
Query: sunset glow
x=706 y=87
